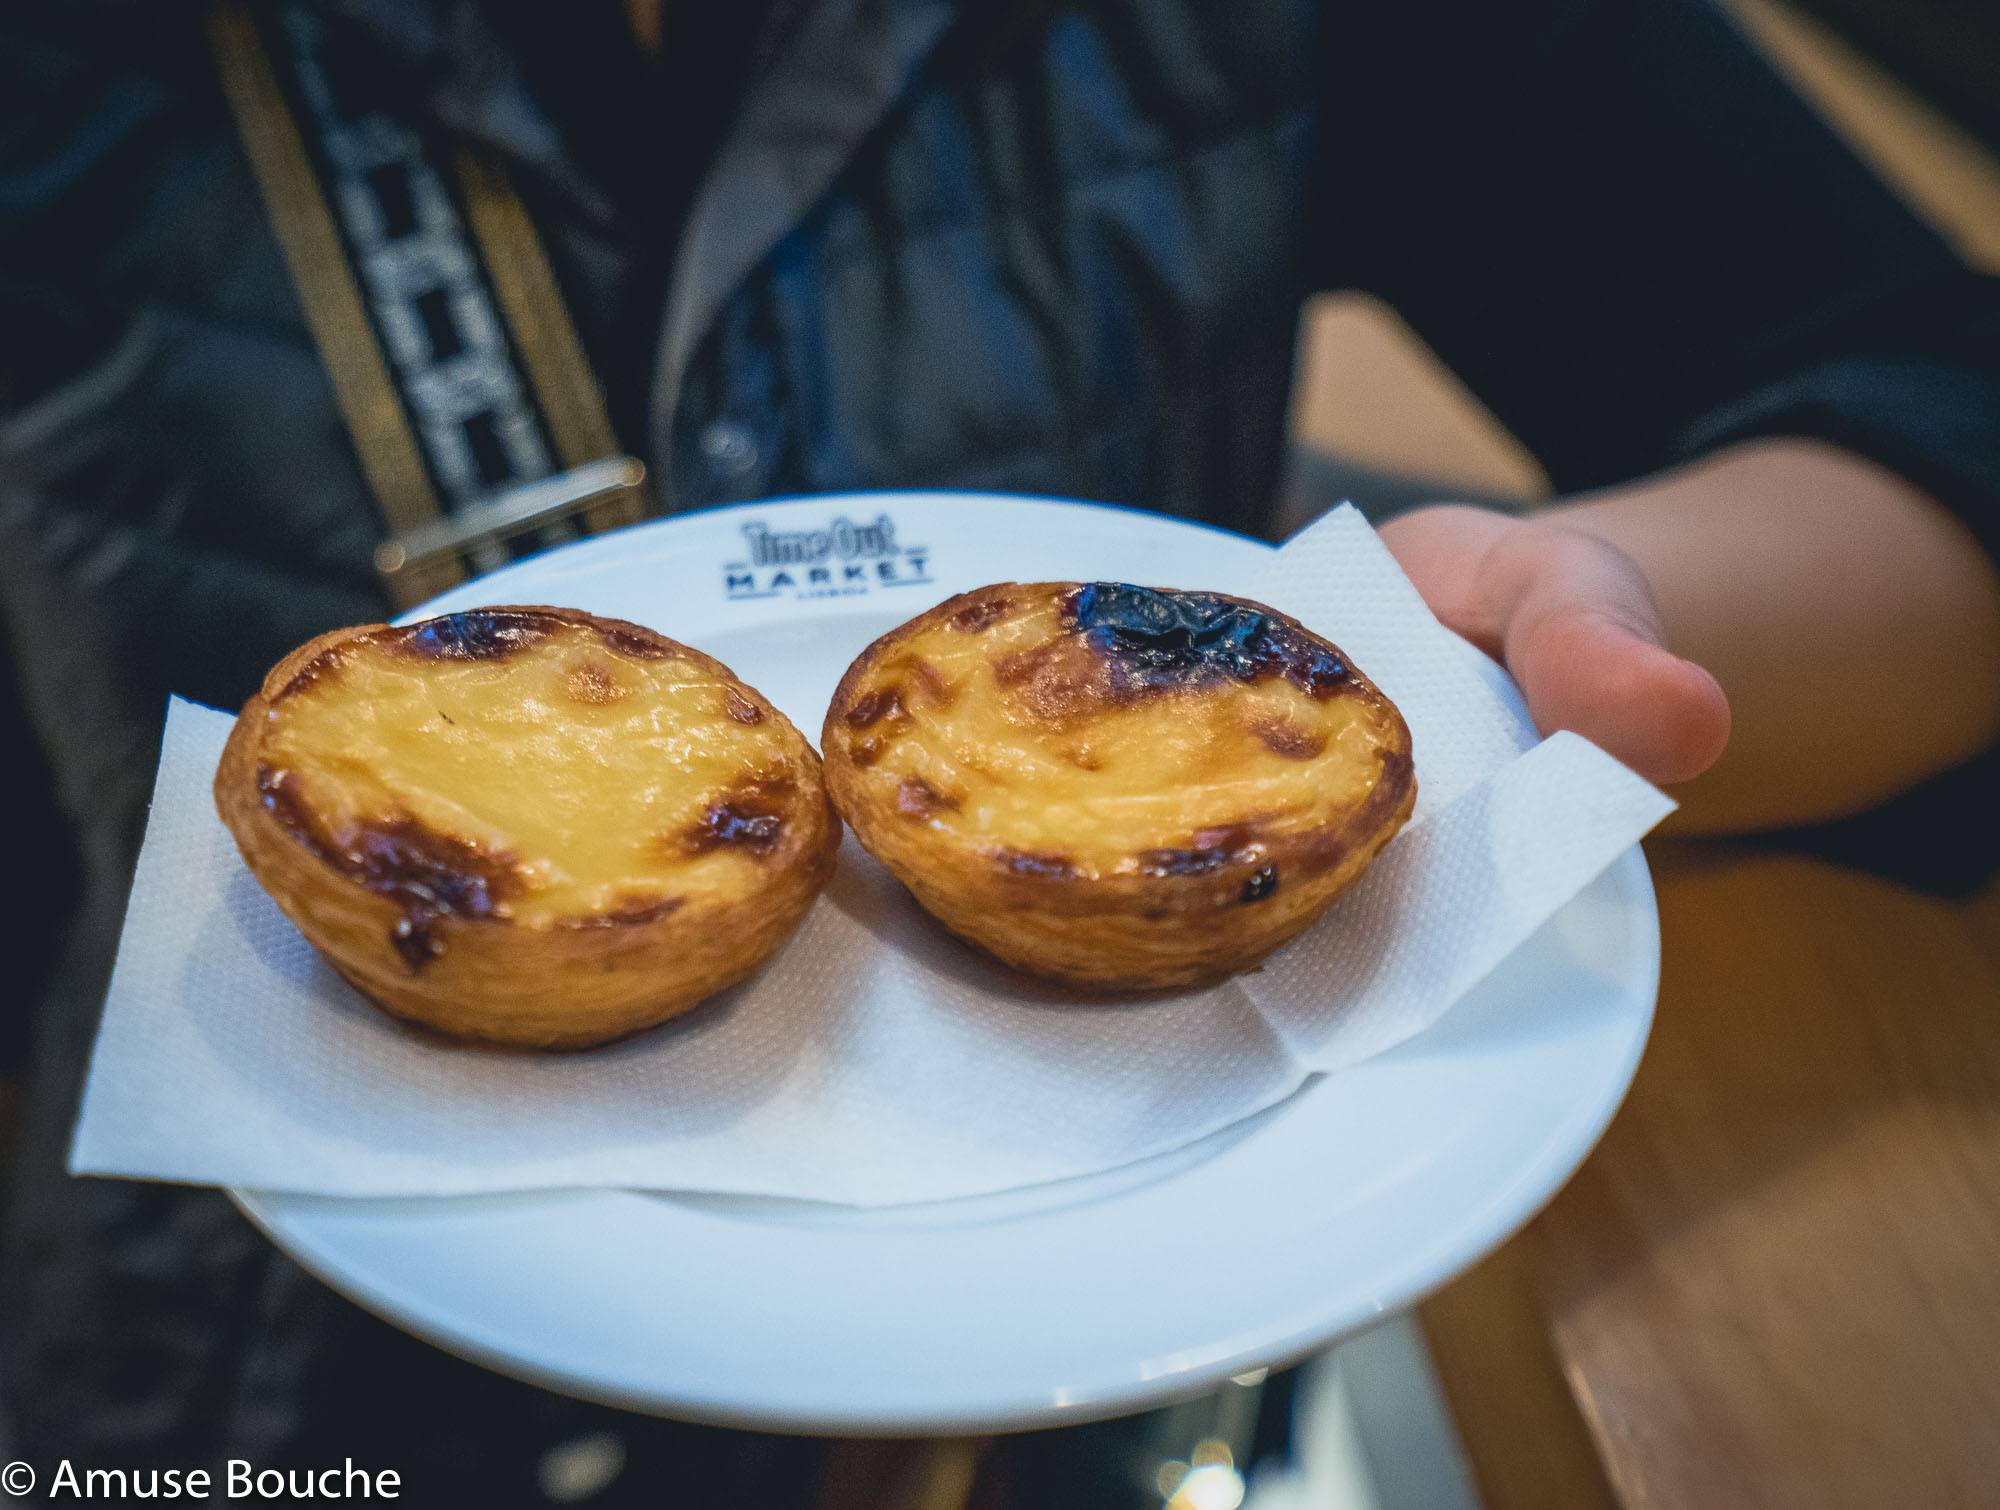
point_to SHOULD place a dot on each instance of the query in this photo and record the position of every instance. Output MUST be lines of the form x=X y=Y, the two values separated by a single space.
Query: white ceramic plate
x=1085 y=1298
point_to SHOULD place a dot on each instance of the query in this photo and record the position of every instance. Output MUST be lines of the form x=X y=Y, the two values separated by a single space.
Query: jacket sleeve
x=177 y=488
x=1636 y=245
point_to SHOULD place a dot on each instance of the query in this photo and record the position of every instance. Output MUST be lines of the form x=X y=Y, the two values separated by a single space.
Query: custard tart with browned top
x=527 y=826
x=1117 y=787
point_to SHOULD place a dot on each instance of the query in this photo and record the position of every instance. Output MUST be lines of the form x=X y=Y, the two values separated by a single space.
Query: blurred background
x=1773 y=1283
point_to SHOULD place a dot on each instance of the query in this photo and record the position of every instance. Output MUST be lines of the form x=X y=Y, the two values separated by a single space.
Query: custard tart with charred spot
x=527 y=826
x=1117 y=787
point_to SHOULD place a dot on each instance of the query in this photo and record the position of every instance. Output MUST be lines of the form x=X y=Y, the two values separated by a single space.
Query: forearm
x=1852 y=622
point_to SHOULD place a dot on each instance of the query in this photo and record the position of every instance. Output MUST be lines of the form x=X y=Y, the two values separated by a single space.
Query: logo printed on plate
x=843 y=560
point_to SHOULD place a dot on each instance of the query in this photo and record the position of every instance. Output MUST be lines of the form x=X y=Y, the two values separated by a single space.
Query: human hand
x=1573 y=620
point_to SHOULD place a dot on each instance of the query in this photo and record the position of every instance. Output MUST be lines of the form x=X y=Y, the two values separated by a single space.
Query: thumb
x=1581 y=634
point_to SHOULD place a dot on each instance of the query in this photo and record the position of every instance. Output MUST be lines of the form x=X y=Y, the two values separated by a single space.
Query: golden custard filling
x=514 y=765
x=1113 y=730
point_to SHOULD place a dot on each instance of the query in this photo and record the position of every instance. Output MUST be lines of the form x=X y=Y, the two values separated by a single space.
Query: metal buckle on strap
x=605 y=493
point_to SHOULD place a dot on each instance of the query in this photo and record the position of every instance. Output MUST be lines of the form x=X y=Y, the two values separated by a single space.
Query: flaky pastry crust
x=527 y=826
x=1116 y=787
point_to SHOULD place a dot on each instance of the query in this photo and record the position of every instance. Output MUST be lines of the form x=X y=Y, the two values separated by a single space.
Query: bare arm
x=1852 y=624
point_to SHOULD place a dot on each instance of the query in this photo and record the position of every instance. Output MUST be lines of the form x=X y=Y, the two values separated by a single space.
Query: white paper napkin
x=875 y=1060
